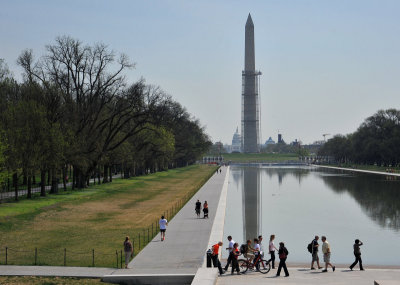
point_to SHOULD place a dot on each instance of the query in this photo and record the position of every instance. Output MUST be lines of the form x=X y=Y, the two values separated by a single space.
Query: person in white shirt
x=163 y=227
x=257 y=250
x=230 y=249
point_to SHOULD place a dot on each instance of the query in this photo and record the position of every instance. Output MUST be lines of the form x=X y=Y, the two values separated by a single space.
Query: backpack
x=243 y=248
x=127 y=246
x=309 y=247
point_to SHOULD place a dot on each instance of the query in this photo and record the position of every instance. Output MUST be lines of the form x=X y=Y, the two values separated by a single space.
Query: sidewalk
x=187 y=239
x=301 y=276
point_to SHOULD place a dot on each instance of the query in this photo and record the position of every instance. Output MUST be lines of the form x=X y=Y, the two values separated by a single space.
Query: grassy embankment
x=260 y=157
x=95 y=218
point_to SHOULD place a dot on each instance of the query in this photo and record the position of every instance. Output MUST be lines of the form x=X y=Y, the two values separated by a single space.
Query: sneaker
x=362 y=269
x=287 y=275
x=324 y=270
x=351 y=268
x=334 y=268
x=312 y=268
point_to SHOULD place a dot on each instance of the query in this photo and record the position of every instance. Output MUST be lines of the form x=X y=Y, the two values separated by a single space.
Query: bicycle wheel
x=243 y=265
x=263 y=266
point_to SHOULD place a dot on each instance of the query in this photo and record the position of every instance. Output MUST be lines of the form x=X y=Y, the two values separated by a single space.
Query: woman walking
x=205 y=209
x=283 y=253
x=272 y=249
x=235 y=254
x=128 y=249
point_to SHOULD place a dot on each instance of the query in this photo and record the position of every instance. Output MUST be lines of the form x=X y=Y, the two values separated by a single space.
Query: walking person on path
x=257 y=252
x=230 y=249
x=272 y=249
x=283 y=253
x=214 y=256
x=235 y=254
x=314 y=253
x=249 y=251
x=198 y=208
x=326 y=250
x=205 y=209
x=128 y=249
x=163 y=227
x=357 y=254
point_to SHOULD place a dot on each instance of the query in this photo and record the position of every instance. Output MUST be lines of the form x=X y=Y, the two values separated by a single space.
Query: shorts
x=327 y=257
x=249 y=255
x=162 y=230
x=315 y=256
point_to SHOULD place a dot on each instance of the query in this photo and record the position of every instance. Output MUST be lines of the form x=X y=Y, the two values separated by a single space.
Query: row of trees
x=75 y=109
x=376 y=141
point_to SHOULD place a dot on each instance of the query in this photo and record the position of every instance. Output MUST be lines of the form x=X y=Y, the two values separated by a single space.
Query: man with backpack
x=313 y=249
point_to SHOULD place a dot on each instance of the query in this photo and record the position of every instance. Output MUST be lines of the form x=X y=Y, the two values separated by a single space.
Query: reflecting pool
x=296 y=203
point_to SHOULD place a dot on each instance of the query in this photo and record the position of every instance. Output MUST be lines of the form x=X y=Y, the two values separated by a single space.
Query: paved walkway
x=301 y=276
x=187 y=236
x=358 y=170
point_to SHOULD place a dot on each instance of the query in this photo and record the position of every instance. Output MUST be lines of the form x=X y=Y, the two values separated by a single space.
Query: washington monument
x=250 y=101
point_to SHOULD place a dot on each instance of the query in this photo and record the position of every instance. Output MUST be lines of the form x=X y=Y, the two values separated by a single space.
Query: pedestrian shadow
x=347 y=270
x=303 y=269
x=317 y=272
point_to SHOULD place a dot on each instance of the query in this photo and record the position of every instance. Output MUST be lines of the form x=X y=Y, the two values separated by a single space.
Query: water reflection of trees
x=282 y=172
x=378 y=197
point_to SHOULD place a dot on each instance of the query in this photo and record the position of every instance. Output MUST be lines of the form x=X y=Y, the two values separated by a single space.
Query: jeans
x=272 y=259
x=230 y=259
x=216 y=263
x=358 y=259
x=282 y=263
x=235 y=265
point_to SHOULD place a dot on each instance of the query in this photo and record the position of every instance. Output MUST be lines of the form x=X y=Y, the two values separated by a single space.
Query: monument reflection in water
x=298 y=203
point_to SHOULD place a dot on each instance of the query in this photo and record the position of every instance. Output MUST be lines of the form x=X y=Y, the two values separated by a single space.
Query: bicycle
x=261 y=265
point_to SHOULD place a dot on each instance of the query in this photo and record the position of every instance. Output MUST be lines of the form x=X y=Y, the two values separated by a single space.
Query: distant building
x=269 y=141
x=236 y=142
x=280 y=139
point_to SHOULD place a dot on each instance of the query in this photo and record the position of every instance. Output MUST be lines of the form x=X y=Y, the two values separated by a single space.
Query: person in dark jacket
x=283 y=253
x=357 y=254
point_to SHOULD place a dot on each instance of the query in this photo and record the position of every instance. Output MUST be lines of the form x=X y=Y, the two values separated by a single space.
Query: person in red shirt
x=214 y=256
x=235 y=254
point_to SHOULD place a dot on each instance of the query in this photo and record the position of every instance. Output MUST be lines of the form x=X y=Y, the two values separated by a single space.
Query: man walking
x=230 y=249
x=198 y=208
x=326 y=250
x=163 y=227
x=314 y=252
x=357 y=254
x=214 y=256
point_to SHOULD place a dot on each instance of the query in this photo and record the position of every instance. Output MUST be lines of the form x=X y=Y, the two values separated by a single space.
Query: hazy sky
x=327 y=65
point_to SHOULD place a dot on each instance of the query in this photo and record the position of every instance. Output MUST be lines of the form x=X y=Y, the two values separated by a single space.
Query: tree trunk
x=105 y=176
x=111 y=174
x=33 y=179
x=29 y=187
x=98 y=176
x=64 y=174
x=54 y=181
x=48 y=177
x=15 y=183
x=42 y=183
x=24 y=179
x=74 y=179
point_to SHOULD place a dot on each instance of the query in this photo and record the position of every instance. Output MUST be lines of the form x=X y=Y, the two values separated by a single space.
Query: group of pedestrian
x=251 y=252
x=326 y=251
x=198 y=209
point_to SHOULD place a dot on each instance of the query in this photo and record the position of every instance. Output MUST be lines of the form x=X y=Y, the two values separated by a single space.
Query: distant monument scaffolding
x=250 y=100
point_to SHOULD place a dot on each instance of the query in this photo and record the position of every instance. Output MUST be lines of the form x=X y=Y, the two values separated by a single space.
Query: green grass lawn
x=260 y=157
x=97 y=218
